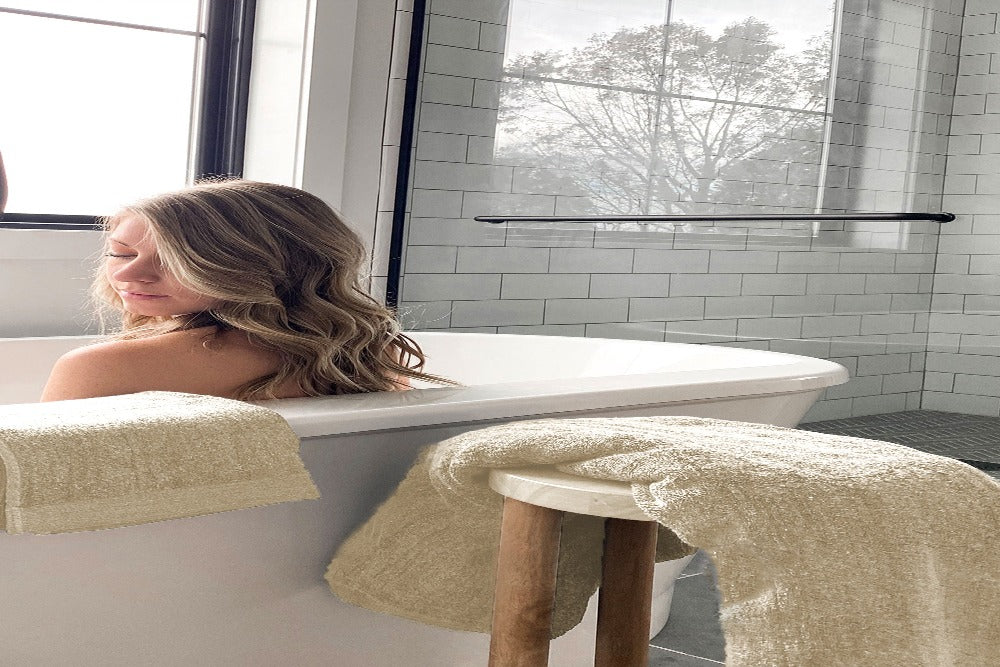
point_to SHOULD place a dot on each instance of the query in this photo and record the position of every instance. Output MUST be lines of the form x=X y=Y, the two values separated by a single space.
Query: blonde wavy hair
x=285 y=270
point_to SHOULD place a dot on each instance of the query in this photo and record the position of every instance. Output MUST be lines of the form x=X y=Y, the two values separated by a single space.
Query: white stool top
x=547 y=487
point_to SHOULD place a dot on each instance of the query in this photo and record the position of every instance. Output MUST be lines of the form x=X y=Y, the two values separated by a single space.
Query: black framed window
x=106 y=101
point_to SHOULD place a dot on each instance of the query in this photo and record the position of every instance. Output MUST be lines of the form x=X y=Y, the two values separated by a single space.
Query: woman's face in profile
x=135 y=272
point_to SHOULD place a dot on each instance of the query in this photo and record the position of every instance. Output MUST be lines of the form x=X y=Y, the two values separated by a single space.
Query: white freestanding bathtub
x=246 y=587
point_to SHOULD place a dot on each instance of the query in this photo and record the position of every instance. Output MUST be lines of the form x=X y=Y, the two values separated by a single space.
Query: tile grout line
x=697 y=657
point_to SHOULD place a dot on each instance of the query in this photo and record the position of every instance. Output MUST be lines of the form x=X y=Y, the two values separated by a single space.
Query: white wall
x=44 y=278
x=318 y=98
x=279 y=88
x=963 y=357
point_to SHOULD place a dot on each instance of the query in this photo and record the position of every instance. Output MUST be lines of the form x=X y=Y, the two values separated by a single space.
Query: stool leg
x=623 y=607
x=526 y=585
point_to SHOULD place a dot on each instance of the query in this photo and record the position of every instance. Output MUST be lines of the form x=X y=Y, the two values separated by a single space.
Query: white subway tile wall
x=963 y=351
x=857 y=293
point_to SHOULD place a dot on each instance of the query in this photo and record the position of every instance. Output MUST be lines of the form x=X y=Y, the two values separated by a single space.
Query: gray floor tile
x=973 y=439
x=662 y=657
x=700 y=564
x=693 y=627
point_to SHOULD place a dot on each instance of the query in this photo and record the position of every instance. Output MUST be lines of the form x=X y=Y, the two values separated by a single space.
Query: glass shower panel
x=537 y=26
x=579 y=108
x=665 y=108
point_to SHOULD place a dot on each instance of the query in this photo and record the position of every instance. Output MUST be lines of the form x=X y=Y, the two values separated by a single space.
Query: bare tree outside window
x=668 y=118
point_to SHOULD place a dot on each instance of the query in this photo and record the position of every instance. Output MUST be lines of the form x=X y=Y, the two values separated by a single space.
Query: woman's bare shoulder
x=186 y=361
x=197 y=361
x=93 y=370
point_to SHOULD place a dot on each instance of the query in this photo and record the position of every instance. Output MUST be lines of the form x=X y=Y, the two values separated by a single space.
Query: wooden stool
x=534 y=502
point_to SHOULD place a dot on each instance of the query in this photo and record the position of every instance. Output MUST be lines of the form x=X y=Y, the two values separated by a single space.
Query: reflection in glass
x=676 y=110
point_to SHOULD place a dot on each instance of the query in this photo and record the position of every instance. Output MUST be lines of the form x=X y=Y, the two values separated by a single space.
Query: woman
x=237 y=289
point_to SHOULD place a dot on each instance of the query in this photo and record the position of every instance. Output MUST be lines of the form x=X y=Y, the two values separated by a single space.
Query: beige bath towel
x=830 y=550
x=122 y=460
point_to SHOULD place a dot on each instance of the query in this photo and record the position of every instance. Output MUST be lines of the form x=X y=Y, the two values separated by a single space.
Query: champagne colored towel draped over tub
x=115 y=461
x=830 y=550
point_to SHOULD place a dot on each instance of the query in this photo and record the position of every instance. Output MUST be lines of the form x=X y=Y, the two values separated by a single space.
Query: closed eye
x=112 y=254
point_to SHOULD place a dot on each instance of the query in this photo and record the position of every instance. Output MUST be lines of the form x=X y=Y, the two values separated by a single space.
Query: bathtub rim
x=335 y=415
x=304 y=428
x=432 y=406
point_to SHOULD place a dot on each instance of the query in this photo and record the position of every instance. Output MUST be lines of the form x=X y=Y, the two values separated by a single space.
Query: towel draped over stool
x=115 y=461
x=830 y=550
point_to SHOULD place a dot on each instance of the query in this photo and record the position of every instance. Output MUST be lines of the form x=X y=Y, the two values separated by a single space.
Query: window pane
x=599 y=151
x=631 y=108
x=795 y=30
x=531 y=24
x=94 y=116
x=177 y=14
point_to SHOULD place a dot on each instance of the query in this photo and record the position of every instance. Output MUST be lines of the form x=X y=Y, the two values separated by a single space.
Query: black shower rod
x=879 y=217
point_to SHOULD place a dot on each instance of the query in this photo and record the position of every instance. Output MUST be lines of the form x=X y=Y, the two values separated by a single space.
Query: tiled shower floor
x=969 y=438
x=693 y=636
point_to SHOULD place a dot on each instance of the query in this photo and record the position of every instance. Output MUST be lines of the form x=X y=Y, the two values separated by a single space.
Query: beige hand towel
x=123 y=460
x=830 y=550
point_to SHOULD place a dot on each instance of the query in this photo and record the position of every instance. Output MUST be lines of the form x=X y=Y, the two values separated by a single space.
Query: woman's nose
x=137 y=270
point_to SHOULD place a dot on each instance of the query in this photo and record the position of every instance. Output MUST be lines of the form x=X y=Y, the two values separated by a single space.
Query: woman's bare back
x=225 y=360
x=197 y=361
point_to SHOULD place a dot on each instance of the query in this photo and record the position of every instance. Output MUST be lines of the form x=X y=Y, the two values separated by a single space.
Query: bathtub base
x=173 y=599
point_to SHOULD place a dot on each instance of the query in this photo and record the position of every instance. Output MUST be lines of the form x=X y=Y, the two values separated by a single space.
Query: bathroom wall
x=44 y=277
x=318 y=101
x=858 y=293
x=963 y=358
x=390 y=116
